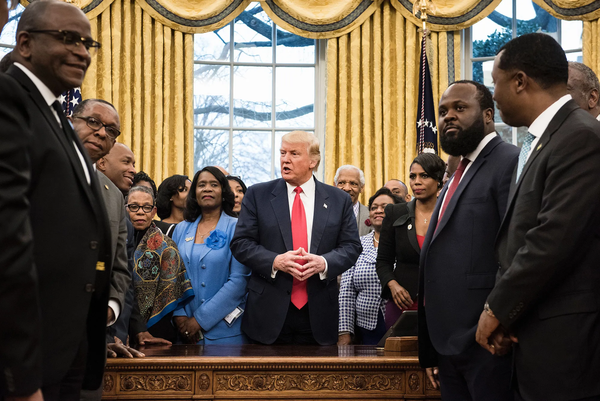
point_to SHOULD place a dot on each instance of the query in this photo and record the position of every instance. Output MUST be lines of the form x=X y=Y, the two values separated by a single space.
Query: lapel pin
x=188 y=239
x=325 y=205
x=410 y=226
x=106 y=186
x=539 y=147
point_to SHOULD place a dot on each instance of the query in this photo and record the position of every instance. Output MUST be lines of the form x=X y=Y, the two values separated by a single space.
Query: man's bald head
x=584 y=87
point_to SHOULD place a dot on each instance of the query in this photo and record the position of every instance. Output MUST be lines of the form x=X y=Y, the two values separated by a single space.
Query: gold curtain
x=320 y=19
x=372 y=90
x=146 y=70
x=591 y=45
x=586 y=10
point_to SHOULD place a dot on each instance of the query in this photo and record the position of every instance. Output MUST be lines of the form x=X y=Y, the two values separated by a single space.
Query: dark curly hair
x=433 y=165
x=193 y=210
x=142 y=176
x=385 y=191
x=169 y=187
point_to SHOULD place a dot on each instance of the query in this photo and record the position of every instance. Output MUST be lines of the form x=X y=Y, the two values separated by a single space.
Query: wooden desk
x=256 y=372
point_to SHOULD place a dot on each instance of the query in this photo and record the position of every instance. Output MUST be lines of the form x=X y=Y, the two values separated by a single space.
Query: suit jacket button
x=93 y=244
x=89 y=288
x=203 y=285
x=204 y=267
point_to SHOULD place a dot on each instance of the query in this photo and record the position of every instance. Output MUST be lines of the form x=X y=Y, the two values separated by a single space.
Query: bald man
x=399 y=188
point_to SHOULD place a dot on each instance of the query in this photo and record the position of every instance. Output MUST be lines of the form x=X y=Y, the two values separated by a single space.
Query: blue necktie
x=524 y=152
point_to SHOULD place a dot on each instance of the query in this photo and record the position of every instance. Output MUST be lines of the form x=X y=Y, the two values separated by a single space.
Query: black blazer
x=398 y=246
x=548 y=286
x=71 y=233
x=458 y=263
x=264 y=231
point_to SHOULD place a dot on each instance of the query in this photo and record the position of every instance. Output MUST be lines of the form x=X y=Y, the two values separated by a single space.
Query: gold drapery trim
x=92 y=8
x=591 y=45
x=372 y=93
x=448 y=15
x=193 y=16
x=586 y=10
x=320 y=19
x=146 y=70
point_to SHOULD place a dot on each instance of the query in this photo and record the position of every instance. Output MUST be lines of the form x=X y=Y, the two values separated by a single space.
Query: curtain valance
x=320 y=19
x=92 y=8
x=448 y=15
x=586 y=10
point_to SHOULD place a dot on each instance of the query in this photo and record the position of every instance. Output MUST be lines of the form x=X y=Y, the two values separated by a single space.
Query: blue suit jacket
x=264 y=231
x=458 y=265
x=218 y=279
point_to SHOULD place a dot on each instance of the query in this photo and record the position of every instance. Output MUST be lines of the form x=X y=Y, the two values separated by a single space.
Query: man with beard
x=458 y=265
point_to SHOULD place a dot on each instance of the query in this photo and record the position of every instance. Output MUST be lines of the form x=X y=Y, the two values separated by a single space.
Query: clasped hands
x=287 y=262
x=189 y=328
x=492 y=336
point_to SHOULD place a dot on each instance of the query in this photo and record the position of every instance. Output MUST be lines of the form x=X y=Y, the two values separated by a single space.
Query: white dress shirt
x=539 y=125
x=49 y=98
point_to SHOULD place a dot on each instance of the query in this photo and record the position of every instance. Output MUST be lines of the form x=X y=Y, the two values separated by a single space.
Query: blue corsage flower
x=216 y=240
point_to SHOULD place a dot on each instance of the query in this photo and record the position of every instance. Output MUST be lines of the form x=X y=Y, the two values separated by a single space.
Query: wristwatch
x=486 y=308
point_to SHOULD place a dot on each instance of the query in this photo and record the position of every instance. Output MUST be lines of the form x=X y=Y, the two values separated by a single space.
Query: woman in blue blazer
x=219 y=281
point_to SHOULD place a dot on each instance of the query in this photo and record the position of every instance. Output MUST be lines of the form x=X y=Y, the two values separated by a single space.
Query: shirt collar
x=539 y=125
x=308 y=187
x=47 y=94
x=482 y=144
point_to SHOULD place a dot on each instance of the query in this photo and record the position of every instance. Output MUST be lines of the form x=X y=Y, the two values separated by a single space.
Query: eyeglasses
x=72 y=40
x=96 y=125
x=134 y=208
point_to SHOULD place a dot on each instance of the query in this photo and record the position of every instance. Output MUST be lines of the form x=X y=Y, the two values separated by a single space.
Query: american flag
x=426 y=126
x=69 y=100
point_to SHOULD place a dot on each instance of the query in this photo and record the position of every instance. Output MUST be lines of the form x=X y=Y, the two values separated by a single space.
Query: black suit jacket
x=398 y=253
x=20 y=354
x=548 y=286
x=458 y=263
x=71 y=234
x=264 y=231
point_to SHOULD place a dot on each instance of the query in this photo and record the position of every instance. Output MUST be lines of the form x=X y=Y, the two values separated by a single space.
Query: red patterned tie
x=300 y=239
x=457 y=176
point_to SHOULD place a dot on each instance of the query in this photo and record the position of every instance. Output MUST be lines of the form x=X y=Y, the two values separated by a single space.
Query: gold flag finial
x=424 y=7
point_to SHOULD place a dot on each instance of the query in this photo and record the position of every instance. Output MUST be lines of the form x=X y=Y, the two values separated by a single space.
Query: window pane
x=212 y=46
x=211 y=95
x=575 y=56
x=571 y=33
x=252 y=97
x=505 y=132
x=8 y=33
x=482 y=72
x=293 y=48
x=253 y=36
x=521 y=134
x=211 y=148
x=493 y=31
x=252 y=156
x=533 y=18
x=295 y=97
x=4 y=51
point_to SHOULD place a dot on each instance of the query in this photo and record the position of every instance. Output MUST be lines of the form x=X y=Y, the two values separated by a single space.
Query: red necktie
x=457 y=176
x=299 y=239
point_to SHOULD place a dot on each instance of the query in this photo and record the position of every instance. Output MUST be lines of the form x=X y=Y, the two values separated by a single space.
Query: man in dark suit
x=96 y=123
x=546 y=294
x=297 y=235
x=584 y=88
x=70 y=241
x=351 y=180
x=458 y=265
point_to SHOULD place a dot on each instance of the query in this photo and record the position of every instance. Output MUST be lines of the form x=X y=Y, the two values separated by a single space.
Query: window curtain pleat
x=372 y=90
x=146 y=70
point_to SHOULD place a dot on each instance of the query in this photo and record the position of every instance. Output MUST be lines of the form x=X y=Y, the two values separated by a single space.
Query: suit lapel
x=554 y=125
x=412 y=232
x=321 y=214
x=281 y=209
x=65 y=142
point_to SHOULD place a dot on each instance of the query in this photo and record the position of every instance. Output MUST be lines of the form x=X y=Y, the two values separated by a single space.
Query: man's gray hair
x=141 y=188
x=349 y=167
x=590 y=79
